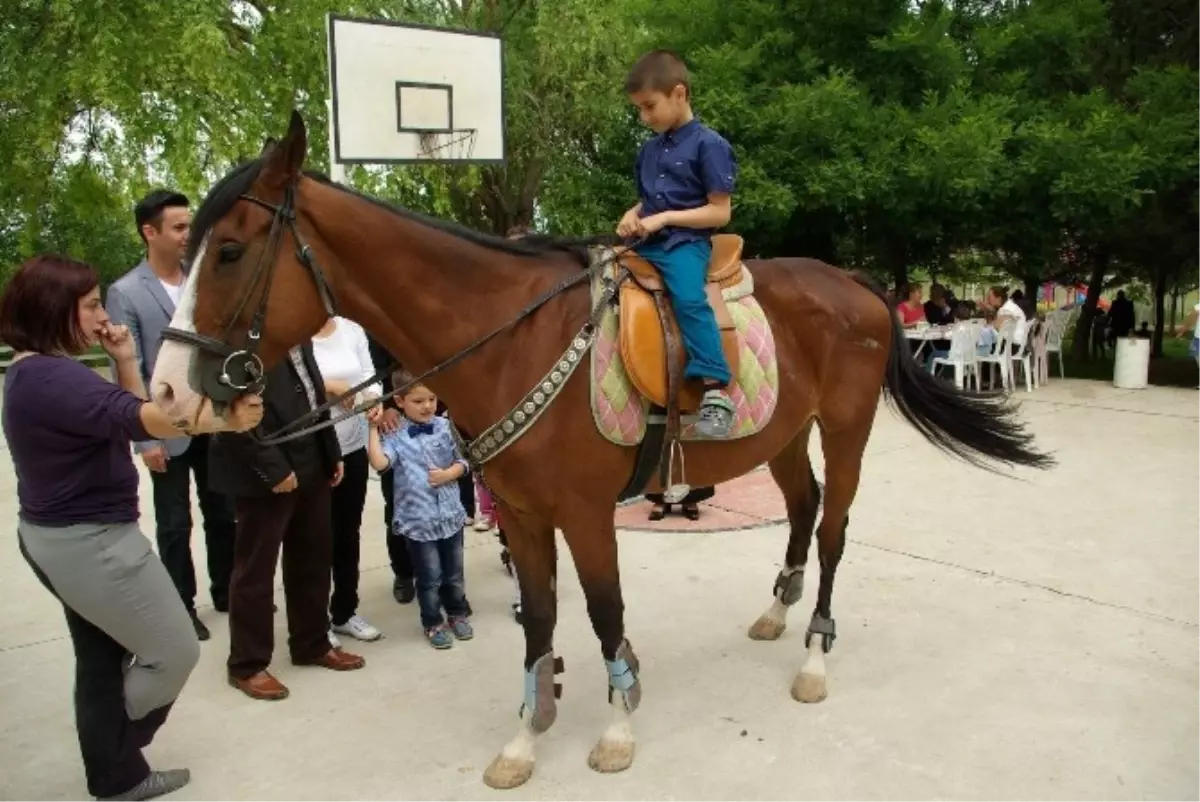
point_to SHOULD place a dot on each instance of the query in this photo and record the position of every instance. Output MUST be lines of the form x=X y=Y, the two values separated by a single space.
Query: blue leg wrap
x=623 y=677
x=541 y=692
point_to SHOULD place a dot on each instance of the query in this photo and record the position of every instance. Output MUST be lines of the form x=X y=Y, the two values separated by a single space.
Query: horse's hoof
x=508 y=772
x=767 y=628
x=809 y=688
x=609 y=757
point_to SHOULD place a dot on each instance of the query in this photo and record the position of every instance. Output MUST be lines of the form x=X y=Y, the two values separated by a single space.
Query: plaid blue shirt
x=422 y=512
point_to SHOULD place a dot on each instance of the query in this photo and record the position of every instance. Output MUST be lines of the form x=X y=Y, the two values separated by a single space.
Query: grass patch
x=1175 y=368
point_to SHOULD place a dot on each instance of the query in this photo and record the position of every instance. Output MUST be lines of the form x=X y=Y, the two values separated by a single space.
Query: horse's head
x=254 y=290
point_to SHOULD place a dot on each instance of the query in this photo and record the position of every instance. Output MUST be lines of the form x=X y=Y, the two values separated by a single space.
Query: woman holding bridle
x=69 y=433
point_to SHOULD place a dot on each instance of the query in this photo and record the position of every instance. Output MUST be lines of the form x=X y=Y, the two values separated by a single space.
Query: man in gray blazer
x=144 y=299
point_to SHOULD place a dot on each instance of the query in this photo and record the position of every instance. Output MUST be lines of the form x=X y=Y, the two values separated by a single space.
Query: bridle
x=236 y=371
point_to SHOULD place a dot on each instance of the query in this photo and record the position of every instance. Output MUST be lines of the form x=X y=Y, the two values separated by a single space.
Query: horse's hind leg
x=792 y=471
x=843 y=451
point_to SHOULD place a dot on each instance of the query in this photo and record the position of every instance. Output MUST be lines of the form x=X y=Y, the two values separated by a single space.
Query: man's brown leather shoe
x=261 y=686
x=335 y=660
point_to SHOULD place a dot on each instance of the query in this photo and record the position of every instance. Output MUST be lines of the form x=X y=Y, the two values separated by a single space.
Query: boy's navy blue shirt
x=677 y=170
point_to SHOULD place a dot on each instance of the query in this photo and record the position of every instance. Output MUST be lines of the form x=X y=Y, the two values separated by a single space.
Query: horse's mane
x=237 y=182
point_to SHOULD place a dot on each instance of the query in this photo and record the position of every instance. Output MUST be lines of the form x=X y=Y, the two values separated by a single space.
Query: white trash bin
x=1131 y=368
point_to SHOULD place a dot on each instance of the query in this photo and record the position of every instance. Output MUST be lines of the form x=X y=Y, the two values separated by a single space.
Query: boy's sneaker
x=716 y=415
x=483 y=525
x=439 y=637
x=462 y=628
x=357 y=627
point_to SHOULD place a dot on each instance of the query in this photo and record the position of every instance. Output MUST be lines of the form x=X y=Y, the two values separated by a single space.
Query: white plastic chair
x=1056 y=329
x=963 y=356
x=1024 y=358
x=1040 y=335
x=1001 y=355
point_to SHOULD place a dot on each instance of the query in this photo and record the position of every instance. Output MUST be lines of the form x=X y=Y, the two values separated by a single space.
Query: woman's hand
x=245 y=413
x=116 y=342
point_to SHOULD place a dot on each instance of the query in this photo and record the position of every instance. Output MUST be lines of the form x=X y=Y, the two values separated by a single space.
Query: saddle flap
x=643 y=344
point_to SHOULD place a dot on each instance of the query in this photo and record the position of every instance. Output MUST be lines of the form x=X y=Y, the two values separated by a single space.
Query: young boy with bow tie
x=428 y=512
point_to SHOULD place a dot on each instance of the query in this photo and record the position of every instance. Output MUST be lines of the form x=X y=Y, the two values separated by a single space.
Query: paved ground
x=998 y=639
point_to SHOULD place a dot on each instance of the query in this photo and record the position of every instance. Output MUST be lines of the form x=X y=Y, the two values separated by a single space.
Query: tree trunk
x=1080 y=351
x=1174 y=309
x=1032 y=289
x=898 y=256
x=1160 y=308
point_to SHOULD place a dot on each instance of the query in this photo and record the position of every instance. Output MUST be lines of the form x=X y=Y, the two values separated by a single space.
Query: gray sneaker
x=157 y=783
x=716 y=415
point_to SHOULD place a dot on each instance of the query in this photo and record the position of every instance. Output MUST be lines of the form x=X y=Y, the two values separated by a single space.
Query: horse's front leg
x=593 y=542
x=531 y=545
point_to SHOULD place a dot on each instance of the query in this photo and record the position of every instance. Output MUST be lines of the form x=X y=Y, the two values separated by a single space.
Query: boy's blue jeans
x=684 y=269
x=438 y=571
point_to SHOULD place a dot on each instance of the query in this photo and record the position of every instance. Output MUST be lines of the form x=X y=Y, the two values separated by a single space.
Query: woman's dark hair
x=39 y=310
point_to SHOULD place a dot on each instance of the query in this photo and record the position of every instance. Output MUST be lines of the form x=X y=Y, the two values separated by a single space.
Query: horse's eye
x=229 y=252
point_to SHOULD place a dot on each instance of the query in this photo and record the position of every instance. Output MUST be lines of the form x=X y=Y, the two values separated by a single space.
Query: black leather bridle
x=236 y=371
x=233 y=372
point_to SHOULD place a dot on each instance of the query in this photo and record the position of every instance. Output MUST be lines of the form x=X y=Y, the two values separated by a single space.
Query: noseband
x=235 y=371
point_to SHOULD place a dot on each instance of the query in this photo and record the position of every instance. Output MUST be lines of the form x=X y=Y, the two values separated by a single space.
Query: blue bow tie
x=415 y=429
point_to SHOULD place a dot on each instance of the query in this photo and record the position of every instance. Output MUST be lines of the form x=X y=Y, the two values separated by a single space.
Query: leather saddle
x=650 y=342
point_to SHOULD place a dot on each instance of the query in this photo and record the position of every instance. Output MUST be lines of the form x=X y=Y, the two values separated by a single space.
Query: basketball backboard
x=410 y=94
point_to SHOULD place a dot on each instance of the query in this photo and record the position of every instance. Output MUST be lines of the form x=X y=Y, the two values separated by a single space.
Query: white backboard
x=408 y=94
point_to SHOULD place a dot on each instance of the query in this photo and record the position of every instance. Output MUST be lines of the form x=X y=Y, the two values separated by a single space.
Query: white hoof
x=767 y=628
x=610 y=757
x=809 y=688
x=508 y=772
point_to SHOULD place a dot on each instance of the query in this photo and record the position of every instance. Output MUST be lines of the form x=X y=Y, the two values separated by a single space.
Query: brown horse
x=274 y=249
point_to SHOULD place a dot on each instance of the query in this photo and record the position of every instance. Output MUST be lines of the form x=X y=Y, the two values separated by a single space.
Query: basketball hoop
x=456 y=144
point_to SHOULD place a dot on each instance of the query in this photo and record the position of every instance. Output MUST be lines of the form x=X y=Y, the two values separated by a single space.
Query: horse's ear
x=286 y=158
x=268 y=143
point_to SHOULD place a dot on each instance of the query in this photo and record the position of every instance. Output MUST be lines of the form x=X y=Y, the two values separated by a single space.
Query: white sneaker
x=358 y=628
x=333 y=641
x=483 y=525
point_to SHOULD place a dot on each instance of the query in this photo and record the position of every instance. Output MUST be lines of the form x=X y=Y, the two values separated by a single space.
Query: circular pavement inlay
x=748 y=502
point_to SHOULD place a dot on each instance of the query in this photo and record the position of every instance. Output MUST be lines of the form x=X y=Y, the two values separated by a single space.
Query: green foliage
x=1045 y=139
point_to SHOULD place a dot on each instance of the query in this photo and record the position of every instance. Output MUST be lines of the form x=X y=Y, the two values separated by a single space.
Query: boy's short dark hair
x=149 y=209
x=401 y=379
x=1001 y=293
x=658 y=71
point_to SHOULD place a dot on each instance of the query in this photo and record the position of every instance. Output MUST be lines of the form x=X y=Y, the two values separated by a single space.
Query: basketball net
x=452 y=145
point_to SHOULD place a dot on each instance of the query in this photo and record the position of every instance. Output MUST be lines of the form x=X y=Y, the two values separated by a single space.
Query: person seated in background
x=910 y=311
x=987 y=336
x=1144 y=332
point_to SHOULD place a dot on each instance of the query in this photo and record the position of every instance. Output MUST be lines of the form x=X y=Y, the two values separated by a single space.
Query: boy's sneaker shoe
x=716 y=415
x=357 y=627
x=483 y=525
x=462 y=628
x=439 y=637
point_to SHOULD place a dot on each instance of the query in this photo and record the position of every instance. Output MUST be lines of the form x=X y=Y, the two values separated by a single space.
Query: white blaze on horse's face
x=170 y=385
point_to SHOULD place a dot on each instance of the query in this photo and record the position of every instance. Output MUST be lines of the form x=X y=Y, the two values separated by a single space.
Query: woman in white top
x=340 y=348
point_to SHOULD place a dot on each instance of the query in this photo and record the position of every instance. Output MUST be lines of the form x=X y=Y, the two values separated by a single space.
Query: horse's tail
x=969 y=425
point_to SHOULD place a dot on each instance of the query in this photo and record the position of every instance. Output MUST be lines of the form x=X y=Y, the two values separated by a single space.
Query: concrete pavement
x=997 y=639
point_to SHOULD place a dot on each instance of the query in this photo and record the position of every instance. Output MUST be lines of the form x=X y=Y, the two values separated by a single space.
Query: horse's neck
x=426 y=295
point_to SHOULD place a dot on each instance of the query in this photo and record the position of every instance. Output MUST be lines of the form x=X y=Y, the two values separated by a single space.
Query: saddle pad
x=620 y=411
